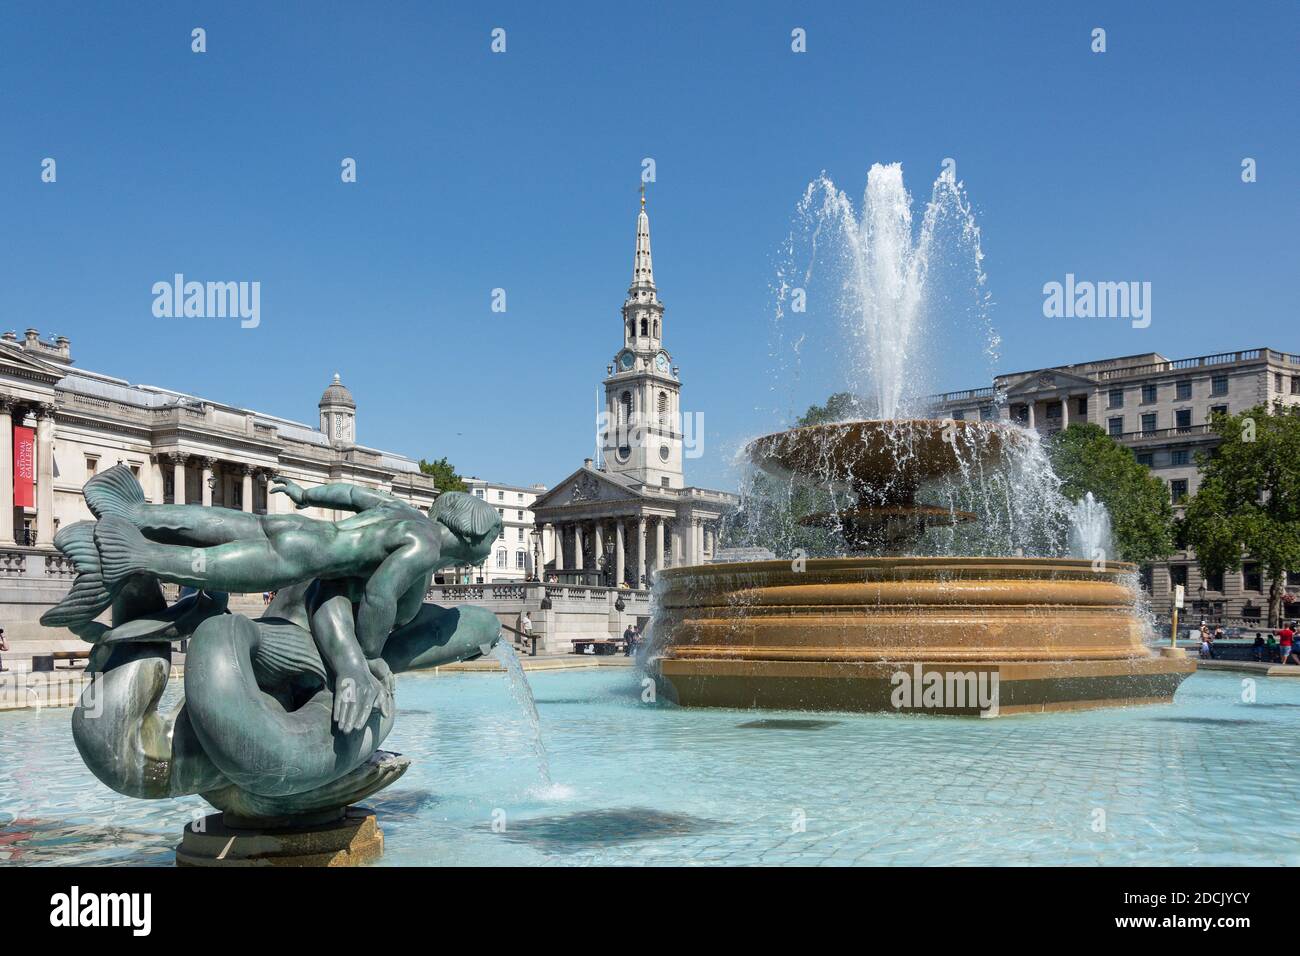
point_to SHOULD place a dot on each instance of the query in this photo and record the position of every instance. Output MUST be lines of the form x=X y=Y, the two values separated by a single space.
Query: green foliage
x=443 y=473
x=840 y=407
x=1248 y=502
x=1086 y=459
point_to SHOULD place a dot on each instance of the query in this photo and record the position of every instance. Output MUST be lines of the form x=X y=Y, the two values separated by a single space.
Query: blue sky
x=519 y=171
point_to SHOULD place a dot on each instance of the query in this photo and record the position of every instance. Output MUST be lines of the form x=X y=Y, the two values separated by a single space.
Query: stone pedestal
x=352 y=839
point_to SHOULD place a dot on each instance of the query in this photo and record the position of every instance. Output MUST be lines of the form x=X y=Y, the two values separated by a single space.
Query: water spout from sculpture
x=522 y=692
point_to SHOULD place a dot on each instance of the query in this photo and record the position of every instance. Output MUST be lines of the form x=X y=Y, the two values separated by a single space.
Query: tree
x=1248 y=502
x=1086 y=459
x=443 y=474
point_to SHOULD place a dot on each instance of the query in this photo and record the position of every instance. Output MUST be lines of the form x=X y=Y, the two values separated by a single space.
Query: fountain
x=879 y=627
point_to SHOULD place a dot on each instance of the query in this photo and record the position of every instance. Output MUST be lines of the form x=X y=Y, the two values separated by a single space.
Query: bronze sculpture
x=282 y=715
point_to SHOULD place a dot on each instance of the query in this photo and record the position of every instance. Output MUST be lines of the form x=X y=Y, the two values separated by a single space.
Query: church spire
x=643 y=273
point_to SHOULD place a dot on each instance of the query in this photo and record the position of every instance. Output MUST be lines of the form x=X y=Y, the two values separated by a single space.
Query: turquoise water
x=1207 y=780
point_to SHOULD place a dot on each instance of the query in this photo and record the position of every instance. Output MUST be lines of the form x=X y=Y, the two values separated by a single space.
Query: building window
x=1149 y=394
x=1145 y=578
x=519 y=560
x=92 y=465
x=1218 y=410
x=520 y=496
x=1295 y=384
x=1177 y=575
x=1115 y=427
x=1054 y=411
x=987 y=413
x=1180 y=457
x=663 y=483
x=1183 y=390
x=521 y=515
x=135 y=472
x=1021 y=414
x=1251 y=578
x=663 y=407
x=625 y=408
x=501 y=559
x=521 y=534
x=1146 y=459
x=1081 y=406
x=1178 y=490
x=478 y=492
x=1149 y=422
x=501 y=496
x=959 y=415
x=1277 y=381
x=1219 y=385
x=1214 y=582
x=1183 y=418
x=1115 y=398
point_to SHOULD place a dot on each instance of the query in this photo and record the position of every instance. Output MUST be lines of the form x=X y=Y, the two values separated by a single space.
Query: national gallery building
x=59 y=425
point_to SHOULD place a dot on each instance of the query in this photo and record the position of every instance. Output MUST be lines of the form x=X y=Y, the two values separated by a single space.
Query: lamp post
x=536 y=537
x=607 y=565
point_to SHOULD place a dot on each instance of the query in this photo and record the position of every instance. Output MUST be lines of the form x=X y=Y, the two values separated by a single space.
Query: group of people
x=1280 y=647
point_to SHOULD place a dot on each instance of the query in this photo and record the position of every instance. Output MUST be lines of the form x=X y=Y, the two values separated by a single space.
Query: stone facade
x=1160 y=408
x=180 y=447
x=518 y=551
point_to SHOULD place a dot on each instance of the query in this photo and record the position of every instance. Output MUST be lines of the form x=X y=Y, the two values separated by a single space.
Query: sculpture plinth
x=350 y=838
x=902 y=633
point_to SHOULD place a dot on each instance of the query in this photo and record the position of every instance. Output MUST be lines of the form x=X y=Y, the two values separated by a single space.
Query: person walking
x=629 y=640
x=526 y=626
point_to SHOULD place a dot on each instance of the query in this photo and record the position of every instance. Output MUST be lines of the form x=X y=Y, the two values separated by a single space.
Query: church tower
x=642 y=433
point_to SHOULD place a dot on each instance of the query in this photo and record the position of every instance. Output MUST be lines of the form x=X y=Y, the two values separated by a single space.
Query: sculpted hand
x=354 y=698
x=288 y=487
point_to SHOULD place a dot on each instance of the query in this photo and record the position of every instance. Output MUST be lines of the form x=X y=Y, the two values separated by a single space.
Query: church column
x=557 y=536
x=205 y=487
x=1065 y=412
x=598 y=551
x=659 y=543
x=45 y=476
x=6 y=472
x=641 y=578
x=620 y=545
x=247 y=503
x=178 y=478
x=578 y=563
x=156 y=479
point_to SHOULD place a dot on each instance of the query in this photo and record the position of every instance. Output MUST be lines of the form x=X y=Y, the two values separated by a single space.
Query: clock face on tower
x=661 y=361
x=625 y=360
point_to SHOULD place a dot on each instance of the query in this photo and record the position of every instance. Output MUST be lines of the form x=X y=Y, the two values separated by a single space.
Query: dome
x=337 y=394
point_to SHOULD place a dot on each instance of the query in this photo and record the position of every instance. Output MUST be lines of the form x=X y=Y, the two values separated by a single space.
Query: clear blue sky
x=520 y=171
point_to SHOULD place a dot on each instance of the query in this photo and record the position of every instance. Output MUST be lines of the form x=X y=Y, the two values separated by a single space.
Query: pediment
x=15 y=361
x=1046 y=380
x=584 y=486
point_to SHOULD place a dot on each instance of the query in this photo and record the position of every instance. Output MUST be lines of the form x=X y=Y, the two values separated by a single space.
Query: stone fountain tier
x=881 y=464
x=845 y=633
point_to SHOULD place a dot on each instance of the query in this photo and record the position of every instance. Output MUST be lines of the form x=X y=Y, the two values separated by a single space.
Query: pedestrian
x=629 y=640
x=4 y=647
x=526 y=626
x=1286 y=650
x=1258 y=651
x=1206 y=650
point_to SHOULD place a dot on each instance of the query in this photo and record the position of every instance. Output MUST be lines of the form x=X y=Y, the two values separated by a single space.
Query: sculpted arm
x=336 y=494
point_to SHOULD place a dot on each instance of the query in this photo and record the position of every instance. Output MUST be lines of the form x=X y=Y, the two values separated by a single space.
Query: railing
x=963 y=396
x=1168 y=432
x=1200 y=361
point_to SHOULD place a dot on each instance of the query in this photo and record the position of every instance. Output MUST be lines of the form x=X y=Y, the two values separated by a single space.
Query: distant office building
x=1160 y=408
x=519 y=549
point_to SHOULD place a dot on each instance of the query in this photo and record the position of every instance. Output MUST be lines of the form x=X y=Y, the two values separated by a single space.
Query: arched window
x=663 y=407
x=501 y=559
x=625 y=408
x=656 y=328
x=643 y=327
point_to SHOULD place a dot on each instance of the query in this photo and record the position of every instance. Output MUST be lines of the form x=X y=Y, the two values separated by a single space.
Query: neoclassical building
x=622 y=517
x=59 y=425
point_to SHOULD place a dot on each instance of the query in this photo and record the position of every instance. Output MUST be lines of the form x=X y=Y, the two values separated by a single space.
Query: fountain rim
x=813 y=566
x=1004 y=428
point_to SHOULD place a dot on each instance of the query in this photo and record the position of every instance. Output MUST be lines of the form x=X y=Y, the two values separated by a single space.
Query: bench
x=46 y=662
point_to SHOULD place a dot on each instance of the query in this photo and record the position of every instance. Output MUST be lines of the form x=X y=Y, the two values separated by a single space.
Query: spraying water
x=522 y=692
x=888 y=275
x=1090 y=535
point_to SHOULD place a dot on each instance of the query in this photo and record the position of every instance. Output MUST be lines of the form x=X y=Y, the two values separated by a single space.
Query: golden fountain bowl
x=878 y=455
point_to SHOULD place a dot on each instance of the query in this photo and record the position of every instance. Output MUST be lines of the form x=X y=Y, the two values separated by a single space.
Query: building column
x=156 y=479
x=578 y=562
x=557 y=535
x=697 y=541
x=620 y=544
x=248 y=488
x=659 y=543
x=178 y=478
x=1032 y=403
x=205 y=487
x=6 y=472
x=641 y=579
x=1065 y=412
x=45 y=476
x=598 y=551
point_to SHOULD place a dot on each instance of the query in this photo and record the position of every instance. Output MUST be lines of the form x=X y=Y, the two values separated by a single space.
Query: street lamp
x=609 y=563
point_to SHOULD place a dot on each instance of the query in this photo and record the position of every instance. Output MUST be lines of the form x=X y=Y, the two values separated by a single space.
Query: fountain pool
x=1206 y=780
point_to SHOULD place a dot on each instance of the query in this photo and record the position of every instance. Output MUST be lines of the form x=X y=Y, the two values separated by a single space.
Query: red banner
x=24 y=467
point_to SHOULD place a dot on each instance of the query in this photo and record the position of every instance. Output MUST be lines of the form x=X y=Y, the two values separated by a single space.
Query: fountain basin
x=844 y=633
